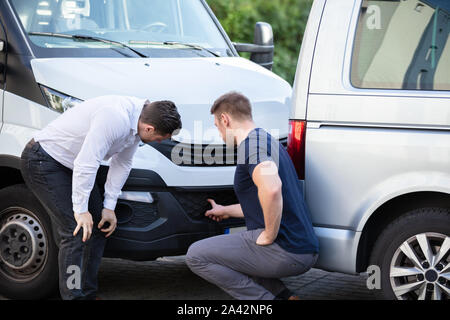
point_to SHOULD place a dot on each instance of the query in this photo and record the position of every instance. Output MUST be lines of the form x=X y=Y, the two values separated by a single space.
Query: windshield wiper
x=190 y=45
x=176 y=43
x=85 y=37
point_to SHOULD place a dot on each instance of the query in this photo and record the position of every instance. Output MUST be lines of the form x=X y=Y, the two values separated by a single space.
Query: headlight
x=59 y=101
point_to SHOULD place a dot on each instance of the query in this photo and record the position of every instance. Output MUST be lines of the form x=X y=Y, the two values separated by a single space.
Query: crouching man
x=280 y=240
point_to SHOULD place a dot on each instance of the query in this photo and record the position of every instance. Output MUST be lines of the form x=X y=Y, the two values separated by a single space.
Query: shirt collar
x=136 y=114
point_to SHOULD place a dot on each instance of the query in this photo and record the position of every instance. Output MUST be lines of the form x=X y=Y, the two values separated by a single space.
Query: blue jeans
x=51 y=183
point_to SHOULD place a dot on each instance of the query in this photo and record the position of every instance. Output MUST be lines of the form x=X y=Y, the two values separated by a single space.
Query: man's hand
x=264 y=239
x=217 y=213
x=84 y=220
x=110 y=217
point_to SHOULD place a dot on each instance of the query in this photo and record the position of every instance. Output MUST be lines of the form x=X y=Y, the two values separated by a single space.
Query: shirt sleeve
x=261 y=148
x=104 y=130
x=119 y=169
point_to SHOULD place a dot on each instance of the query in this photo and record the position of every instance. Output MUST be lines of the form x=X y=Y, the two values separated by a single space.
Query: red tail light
x=296 y=146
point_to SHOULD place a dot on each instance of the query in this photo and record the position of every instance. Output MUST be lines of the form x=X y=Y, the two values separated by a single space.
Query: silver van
x=370 y=139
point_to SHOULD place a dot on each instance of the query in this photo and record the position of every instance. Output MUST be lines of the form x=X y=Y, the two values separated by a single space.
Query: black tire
x=434 y=222
x=18 y=202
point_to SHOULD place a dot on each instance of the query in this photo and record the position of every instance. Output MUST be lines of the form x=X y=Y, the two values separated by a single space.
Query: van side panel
x=363 y=109
x=364 y=146
x=2 y=68
x=351 y=171
x=338 y=249
x=22 y=118
x=326 y=74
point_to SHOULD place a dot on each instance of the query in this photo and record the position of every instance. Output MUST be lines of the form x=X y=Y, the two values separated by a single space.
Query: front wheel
x=413 y=254
x=28 y=254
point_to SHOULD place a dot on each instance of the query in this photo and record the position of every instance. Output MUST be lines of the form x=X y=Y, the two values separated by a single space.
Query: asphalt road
x=170 y=279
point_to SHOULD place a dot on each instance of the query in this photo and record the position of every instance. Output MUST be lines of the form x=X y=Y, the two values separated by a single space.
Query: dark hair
x=163 y=115
x=234 y=103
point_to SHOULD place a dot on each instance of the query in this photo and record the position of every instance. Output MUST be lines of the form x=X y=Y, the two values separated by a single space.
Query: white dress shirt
x=98 y=129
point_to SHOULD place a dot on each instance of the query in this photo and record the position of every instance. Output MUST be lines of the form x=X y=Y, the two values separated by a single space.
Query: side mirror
x=263 y=48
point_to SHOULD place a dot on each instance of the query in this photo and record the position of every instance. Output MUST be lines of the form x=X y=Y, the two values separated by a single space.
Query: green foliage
x=287 y=17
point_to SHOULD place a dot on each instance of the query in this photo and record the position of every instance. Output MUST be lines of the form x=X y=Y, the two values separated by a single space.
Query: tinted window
x=403 y=45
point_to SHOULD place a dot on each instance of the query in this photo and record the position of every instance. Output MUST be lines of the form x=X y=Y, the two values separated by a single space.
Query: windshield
x=145 y=25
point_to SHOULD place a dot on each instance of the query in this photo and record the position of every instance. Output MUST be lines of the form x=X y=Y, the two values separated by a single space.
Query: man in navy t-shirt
x=280 y=240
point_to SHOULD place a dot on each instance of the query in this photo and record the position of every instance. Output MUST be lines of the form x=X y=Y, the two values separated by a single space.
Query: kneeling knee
x=193 y=256
x=198 y=253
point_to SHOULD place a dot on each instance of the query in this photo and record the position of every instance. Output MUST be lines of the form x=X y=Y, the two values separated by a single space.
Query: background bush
x=287 y=17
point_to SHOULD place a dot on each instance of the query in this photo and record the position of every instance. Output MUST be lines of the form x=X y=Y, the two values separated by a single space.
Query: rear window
x=402 y=45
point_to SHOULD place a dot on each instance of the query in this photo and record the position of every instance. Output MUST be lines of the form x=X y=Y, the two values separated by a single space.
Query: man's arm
x=265 y=177
x=119 y=170
x=104 y=130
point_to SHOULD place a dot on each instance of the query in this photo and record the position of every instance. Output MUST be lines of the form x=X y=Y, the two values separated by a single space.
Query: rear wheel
x=28 y=254
x=413 y=254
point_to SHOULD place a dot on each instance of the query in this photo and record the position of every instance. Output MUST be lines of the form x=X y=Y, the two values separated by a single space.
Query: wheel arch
x=10 y=175
x=10 y=171
x=388 y=212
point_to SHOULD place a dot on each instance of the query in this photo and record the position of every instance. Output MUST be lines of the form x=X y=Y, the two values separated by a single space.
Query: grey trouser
x=243 y=269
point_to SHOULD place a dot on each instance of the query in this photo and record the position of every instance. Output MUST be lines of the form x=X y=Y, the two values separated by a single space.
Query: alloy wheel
x=420 y=268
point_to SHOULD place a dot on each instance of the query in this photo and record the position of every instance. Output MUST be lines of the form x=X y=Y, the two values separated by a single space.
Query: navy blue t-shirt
x=296 y=233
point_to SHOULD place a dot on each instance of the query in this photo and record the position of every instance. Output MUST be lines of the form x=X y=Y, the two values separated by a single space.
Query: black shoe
x=286 y=294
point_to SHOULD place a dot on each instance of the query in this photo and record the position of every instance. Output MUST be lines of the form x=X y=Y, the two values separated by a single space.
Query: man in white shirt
x=60 y=166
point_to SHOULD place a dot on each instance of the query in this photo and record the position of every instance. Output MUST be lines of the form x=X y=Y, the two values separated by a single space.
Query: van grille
x=194 y=155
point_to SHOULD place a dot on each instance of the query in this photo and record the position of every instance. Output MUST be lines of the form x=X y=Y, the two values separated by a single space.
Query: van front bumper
x=155 y=220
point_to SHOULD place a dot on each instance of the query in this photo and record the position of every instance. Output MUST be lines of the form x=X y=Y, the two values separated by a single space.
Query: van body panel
x=22 y=118
x=3 y=68
x=364 y=147
x=192 y=83
x=338 y=249
x=368 y=167
x=1 y=108
x=326 y=75
x=402 y=184
x=150 y=159
x=378 y=110
x=303 y=73
x=26 y=113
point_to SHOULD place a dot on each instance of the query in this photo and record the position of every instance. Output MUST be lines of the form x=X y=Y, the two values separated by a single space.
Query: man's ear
x=150 y=129
x=225 y=119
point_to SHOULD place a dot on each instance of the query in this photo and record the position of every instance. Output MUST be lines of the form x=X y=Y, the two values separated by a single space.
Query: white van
x=370 y=137
x=55 y=53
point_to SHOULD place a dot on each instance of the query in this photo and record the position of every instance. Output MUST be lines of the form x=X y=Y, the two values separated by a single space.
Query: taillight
x=296 y=146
